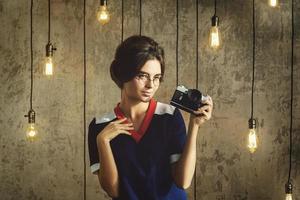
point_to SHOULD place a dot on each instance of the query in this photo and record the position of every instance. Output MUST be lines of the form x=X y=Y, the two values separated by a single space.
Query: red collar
x=137 y=135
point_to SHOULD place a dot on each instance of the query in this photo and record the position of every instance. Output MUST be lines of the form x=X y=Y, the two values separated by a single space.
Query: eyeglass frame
x=147 y=76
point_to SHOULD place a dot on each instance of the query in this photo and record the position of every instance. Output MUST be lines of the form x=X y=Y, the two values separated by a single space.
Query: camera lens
x=195 y=96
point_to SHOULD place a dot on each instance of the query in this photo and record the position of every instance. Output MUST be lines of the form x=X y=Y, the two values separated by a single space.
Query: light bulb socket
x=31 y=116
x=289 y=188
x=252 y=123
x=103 y=2
x=215 y=20
x=50 y=49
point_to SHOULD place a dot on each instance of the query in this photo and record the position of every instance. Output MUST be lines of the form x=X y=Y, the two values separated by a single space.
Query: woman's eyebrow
x=142 y=72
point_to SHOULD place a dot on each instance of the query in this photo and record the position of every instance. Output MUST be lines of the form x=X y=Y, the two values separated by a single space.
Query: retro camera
x=187 y=99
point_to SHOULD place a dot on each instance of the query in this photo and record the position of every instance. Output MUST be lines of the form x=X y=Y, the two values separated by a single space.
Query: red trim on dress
x=137 y=135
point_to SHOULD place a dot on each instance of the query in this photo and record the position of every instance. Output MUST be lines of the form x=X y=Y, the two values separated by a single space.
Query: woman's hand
x=203 y=113
x=113 y=129
x=108 y=176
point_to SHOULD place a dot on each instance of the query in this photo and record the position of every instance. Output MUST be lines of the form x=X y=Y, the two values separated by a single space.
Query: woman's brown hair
x=131 y=55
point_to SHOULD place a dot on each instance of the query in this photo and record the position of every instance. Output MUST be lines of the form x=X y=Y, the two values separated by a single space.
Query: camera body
x=187 y=99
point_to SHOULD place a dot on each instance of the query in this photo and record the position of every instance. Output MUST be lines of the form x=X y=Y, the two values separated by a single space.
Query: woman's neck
x=133 y=109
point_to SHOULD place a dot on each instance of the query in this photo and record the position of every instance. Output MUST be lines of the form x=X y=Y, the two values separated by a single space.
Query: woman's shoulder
x=98 y=123
x=102 y=119
x=164 y=108
x=107 y=117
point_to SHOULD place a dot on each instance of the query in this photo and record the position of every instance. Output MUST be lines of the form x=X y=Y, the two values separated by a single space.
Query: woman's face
x=144 y=85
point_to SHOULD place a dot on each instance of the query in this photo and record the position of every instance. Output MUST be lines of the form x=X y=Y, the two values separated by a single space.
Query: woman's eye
x=157 y=78
x=142 y=76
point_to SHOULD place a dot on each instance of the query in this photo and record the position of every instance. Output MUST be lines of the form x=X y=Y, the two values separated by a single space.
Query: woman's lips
x=148 y=94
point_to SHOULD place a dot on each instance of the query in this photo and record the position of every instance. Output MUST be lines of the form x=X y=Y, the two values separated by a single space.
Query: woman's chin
x=146 y=98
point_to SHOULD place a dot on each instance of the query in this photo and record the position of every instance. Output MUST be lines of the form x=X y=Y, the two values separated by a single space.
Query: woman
x=141 y=151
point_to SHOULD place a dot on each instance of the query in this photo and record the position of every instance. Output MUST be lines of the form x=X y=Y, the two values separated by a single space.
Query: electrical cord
x=215 y=7
x=49 y=22
x=140 y=17
x=84 y=99
x=31 y=55
x=197 y=76
x=122 y=22
x=177 y=36
x=253 y=56
x=292 y=94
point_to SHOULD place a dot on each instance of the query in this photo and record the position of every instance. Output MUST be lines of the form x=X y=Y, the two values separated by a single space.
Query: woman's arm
x=184 y=169
x=108 y=173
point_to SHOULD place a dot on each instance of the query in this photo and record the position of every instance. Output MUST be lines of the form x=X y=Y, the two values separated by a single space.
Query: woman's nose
x=149 y=83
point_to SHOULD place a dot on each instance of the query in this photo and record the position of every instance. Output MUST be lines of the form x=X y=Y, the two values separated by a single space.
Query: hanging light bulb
x=48 y=71
x=49 y=64
x=288 y=191
x=273 y=3
x=31 y=132
x=289 y=185
x=103 y=14
x=252 y=137
x=214 y=38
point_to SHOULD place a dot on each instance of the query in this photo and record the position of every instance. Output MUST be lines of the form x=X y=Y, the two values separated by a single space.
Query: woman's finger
x=204 y=115
x=127 y=128
x=208 y=101
x=207 y=115
x=120 y=120
x=124 y=124
x=125 y=132
x=199 y=113
x=206 y=107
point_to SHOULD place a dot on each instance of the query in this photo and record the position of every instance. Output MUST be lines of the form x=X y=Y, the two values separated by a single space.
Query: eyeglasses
x=143 y=78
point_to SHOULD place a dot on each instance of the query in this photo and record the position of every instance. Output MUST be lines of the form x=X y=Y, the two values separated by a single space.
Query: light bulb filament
x=288 y=197
x=252 y=141
x=273 y=3
x=49 y=66
x=214 y=37
x=31 y=132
